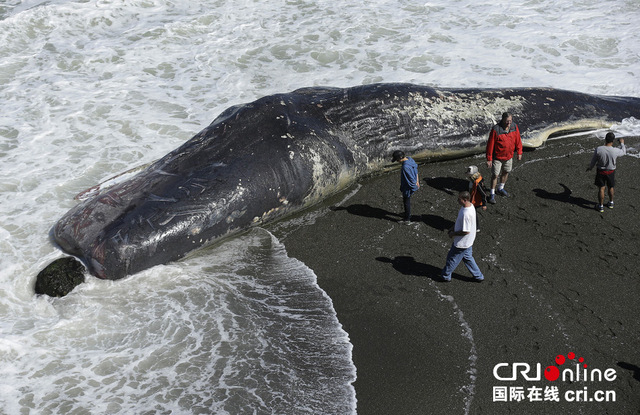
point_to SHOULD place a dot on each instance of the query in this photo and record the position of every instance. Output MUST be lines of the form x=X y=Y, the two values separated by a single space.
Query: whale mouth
x=60 y=277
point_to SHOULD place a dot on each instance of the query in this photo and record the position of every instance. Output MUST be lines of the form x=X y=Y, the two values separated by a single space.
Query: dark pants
x=406 y=200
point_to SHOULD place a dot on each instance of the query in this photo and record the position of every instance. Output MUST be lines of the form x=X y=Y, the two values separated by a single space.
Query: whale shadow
x=449 y=185
x=565 y=197
x=368 y=212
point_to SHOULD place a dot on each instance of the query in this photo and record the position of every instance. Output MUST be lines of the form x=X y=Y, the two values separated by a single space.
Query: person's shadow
x=438 y=222
x=407 y=265
x=634 y=368
x=369 y=212
x=450 y=185
x=565 y=197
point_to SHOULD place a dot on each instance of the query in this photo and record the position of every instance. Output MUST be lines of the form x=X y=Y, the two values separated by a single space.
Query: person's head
x=609 y=138
x=506 y=120
x=397 y=156
x=464 y=198
x=472 y=171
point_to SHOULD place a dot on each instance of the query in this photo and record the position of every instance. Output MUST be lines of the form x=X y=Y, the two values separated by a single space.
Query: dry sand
x=560 y=278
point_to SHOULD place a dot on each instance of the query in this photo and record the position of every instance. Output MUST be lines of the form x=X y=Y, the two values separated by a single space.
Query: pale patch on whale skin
x=267 y=159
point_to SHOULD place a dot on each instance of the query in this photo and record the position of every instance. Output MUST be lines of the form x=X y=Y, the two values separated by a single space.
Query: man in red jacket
x=504 y=140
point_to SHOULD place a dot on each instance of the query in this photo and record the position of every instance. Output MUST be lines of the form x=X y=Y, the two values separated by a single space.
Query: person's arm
x=466 y=224
x=518 y=143
x=623 y=147
x=490 y=143
x=453 y=233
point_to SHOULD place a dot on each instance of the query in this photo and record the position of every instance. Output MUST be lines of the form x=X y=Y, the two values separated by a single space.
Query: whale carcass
x=263 y=160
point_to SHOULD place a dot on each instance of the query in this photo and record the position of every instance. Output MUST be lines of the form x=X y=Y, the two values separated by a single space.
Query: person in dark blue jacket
x=409 y=181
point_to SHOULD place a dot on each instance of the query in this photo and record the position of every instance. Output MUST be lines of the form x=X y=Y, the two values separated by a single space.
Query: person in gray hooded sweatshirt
x=604 y=157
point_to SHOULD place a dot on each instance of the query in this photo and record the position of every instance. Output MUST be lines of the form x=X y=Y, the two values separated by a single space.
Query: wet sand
x=560 y=278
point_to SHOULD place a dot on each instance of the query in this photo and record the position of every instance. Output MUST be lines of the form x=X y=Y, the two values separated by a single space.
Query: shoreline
x=560 y=278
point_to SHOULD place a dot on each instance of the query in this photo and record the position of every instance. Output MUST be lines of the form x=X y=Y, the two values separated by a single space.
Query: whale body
x=264 y=160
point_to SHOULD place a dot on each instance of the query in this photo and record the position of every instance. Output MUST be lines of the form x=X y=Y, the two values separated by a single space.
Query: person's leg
x=494 y=183
x=503 y=178
x=471 y=264
x=453 y=260
x=496 y=169
x=601 y=195
x=496 y=174
x=406 y=200
x=507 y=166
x=601 y=182
x=611 y=182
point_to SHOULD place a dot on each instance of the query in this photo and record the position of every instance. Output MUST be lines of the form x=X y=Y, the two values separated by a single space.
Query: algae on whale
x=264 y=160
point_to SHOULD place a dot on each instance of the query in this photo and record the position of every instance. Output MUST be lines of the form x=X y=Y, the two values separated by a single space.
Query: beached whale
x=264 y=160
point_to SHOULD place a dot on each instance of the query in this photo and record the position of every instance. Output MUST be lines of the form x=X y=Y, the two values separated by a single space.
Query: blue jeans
x=454 y=257
x=406 y=201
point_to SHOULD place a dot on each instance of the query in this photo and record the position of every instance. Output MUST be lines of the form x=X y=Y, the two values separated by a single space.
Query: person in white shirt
x=463 y=234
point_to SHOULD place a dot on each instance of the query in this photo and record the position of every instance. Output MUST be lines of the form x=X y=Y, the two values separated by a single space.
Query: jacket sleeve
x=518 y=141
x=490 y=143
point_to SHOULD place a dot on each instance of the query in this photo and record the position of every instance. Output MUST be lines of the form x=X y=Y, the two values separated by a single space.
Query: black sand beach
x=560 y=278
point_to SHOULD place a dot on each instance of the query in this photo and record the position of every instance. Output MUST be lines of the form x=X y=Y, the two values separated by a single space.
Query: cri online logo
x=552 y=373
